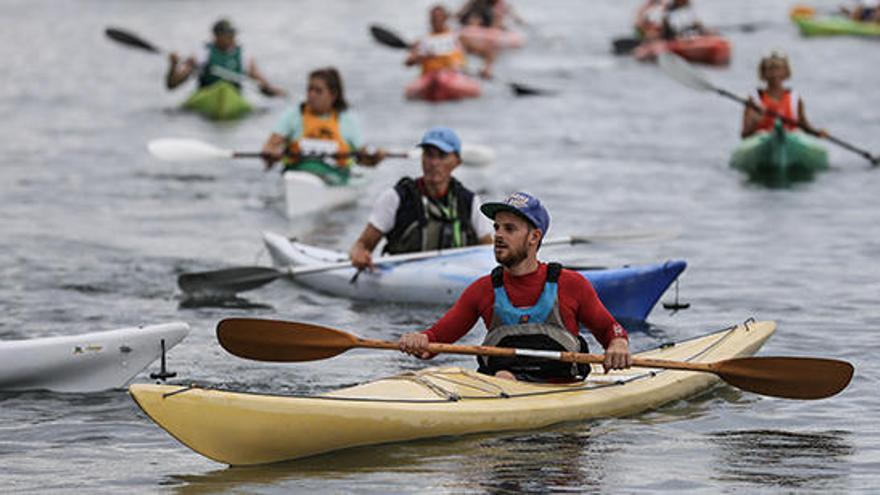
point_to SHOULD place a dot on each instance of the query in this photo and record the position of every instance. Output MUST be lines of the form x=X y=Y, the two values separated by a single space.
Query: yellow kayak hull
x=243 y=428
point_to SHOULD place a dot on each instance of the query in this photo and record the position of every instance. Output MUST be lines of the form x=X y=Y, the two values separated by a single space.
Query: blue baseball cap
x=523 y=204
x=443 y=138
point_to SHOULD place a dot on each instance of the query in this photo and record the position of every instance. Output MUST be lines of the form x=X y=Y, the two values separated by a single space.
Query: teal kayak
x=780 y=154
x=835 y=26
x=219 y=101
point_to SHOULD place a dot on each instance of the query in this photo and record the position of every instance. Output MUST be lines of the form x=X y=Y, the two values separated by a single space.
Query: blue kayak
x=629 y=292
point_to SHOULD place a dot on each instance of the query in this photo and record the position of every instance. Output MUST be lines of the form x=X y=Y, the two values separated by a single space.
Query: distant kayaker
x=777 y=100
x=434 y=211
x=679 y=20
x=323 y=124
x=865 y=11
x=525 y=303
x=224 y=57
x=649 y=19
x=487 y=13
x=442 y=49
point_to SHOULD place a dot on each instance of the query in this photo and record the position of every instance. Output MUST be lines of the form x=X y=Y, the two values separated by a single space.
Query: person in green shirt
x=224 y=58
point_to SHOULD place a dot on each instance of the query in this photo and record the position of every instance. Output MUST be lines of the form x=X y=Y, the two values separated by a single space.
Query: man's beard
x=513 y=256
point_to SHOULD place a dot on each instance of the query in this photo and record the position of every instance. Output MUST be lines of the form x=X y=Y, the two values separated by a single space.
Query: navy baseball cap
x=443 y=138
x=523 y=204
x=223 y=26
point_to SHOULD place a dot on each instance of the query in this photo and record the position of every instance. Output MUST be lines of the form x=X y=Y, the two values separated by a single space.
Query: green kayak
x=780 y=154
x=219 y=101
x=835 y=26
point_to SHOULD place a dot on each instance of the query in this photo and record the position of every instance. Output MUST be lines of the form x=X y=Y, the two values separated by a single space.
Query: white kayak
x=306 y=193
x=88 y=362
x=628 y=292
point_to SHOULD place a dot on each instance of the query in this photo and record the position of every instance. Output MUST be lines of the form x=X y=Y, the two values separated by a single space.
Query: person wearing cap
x=527 y=304
x=434 y=211
x=224 y=53
x=775 y=101
x=323 y=124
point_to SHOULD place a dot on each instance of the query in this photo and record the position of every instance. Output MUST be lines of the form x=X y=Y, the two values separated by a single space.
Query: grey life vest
x=535 y=327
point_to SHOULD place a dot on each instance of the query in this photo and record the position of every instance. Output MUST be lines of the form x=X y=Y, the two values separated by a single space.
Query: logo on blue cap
x=523 y=204
x=443 y=138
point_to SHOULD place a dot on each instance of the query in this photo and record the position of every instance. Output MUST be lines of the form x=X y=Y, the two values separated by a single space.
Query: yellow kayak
x=244 y=428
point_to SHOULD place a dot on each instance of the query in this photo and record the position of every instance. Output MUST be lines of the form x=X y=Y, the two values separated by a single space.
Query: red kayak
x=443 y=85
x=709 y=49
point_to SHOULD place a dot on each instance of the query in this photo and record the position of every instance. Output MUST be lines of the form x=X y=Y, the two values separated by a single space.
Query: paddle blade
x=787 y=377
x=186 y=150
x=228 y=280
x=477 y=155
x=387 y=37
x=130 y=39
x=281 y=341
x=678 y=69
x=520 y=89
x=624 y=46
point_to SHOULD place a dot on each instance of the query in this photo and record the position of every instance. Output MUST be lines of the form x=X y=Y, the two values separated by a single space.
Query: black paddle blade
x=523 y=90
x=130 y=39
x=228 y=280
x=281 y=341
x=623 y=46
x=387 y=38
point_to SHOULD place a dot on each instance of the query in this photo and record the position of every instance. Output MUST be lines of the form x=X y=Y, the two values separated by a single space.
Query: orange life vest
x=443 y=51
x=320 y=135
x=786 y=107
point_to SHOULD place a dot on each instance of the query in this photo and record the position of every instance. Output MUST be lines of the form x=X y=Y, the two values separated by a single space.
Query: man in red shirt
x=528 y=304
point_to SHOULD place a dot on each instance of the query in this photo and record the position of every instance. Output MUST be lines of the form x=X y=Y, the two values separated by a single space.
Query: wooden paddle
x=390 y=39
x=132 y=40
x=678 y=69
x=191 y=150
x=244 y=278
x=288 y=341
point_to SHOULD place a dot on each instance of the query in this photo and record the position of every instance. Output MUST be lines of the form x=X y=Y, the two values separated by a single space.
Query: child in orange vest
x=775 y=101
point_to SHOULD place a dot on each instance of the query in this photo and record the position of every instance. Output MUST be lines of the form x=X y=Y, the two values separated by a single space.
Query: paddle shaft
x=568 y=357
x=240 y=279
x=306 y=156
x=421 y=255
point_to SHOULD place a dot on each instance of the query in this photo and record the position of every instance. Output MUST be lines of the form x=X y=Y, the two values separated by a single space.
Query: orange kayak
x=709 y=50
x=443 y=85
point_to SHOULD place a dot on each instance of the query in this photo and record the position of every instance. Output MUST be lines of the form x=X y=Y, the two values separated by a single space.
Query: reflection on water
x=792 y=460
x=225 y=301
x=534 y=462
x=567 y=458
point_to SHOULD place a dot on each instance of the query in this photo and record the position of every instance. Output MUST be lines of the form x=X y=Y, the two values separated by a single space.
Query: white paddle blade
x=472 y=155
x=477 y=155
x=186 y=150
x=678 y=69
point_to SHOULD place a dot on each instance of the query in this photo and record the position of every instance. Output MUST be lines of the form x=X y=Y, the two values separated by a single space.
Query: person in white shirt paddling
x=434 y=211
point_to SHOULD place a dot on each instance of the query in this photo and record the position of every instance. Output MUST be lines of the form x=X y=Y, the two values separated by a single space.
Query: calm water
x=93 y=232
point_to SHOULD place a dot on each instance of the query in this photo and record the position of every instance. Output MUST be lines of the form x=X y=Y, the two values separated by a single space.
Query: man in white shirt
x=433 y=211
